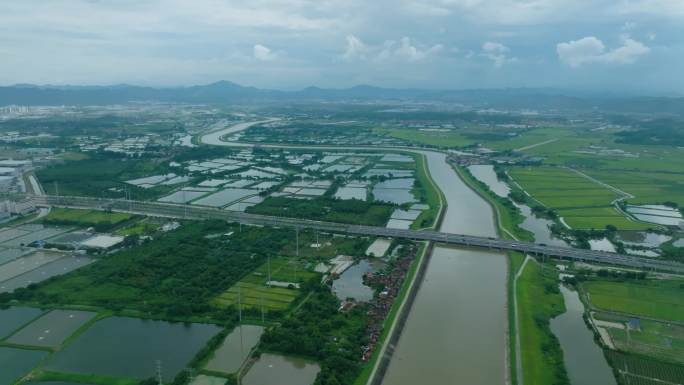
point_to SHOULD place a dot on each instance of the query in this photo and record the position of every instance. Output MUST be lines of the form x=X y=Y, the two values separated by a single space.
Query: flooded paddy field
x=51 y=329
x=15 y=317
x=134 y=346
x=235 y=349
x=272 y=369
x=16 y=363
x=642 y=238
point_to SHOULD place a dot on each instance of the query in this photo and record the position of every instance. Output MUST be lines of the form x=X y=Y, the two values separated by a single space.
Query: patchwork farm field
x=253 y=291
x=642 y=371
x=654 y=299
x=661 y=340
x=431 y=138
x=647 y=187
x=583 y=203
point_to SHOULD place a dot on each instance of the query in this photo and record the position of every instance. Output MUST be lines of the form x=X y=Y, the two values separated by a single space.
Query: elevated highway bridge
x=184 y=211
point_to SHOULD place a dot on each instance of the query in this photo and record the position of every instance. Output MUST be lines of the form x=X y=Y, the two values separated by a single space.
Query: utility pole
x=269 y=271
x=159 y=373
x=240 y=310
x=297 y=238
x=56 y=189
x=262 y=308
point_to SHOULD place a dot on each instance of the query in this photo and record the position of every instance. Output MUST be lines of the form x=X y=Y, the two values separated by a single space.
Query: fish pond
x=272 y=369
x=133 y=348
x=16 y=317
x=235 y=349
x=16 y=363
x=51 y=329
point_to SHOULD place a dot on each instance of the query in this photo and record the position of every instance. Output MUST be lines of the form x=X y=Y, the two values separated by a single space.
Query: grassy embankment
x=539 y=300
x=427 y=193
x=507 y=216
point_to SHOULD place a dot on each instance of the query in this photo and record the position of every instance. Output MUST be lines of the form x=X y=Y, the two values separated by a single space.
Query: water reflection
x=583 y=359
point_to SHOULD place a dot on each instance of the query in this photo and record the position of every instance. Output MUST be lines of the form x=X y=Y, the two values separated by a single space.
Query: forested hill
x=228 y=92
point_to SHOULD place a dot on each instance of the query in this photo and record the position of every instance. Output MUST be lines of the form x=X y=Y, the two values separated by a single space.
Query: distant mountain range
x=223 y=92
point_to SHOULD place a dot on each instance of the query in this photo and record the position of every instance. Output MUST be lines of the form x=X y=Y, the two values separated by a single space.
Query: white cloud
x=355 y=48
x=263 y=53
x=408 y=50
x=424 y=8
x=590 y=49
x=496 y=52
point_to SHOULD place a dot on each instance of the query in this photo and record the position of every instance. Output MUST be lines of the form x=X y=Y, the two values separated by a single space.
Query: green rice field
x=581 y=202
x=647 y=187
x=637 y=370
x=252 y=290
x=660 y=340
x=654 y=299
x=86 y=217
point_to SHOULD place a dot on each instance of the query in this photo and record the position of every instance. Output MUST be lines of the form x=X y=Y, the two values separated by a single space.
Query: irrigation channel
x=456 y=330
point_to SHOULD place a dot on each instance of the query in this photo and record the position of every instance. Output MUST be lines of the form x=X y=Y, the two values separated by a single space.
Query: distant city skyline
x=633 y=45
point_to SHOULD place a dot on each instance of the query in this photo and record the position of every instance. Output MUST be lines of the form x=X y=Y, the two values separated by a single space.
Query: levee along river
x=456 y=330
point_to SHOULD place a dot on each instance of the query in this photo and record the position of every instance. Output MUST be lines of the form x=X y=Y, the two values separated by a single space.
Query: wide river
x=456 y=330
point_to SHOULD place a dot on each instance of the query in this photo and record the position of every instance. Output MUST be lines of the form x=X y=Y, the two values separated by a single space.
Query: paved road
x=194 y=212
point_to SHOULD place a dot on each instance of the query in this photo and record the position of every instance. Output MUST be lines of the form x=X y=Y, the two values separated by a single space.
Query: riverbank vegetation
x=508 y=216
x=539 y=300
x=426 y=192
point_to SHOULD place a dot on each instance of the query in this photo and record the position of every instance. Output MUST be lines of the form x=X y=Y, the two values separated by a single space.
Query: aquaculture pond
x=133 y=348
x=15 y=363
x=235 y=348
x=51 y=329
x=58 y=267
x=272 y=369
x=15 y=317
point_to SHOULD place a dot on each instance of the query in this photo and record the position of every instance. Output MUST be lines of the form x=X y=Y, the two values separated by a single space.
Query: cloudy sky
x=635 y=45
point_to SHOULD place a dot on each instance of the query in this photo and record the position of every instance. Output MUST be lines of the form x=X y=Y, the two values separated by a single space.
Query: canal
x=456 y=330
